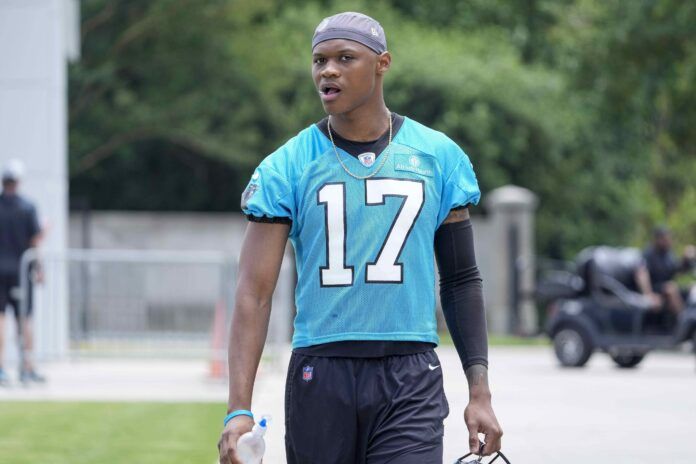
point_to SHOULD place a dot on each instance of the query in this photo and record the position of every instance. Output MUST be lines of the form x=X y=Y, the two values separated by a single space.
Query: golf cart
x=596 y=306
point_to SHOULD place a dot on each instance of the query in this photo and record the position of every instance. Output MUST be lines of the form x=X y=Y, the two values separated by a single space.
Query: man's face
x=345 y=73
x=9 y=185
x=663 y=241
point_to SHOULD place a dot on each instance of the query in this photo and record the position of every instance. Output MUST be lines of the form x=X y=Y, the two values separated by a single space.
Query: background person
x=19 y=231
x=661 y=267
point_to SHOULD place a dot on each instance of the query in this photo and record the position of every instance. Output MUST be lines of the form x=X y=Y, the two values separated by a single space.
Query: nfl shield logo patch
x=307 y=373
x=367 y=159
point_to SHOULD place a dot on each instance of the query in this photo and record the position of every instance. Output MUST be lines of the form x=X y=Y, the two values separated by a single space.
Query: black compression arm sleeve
x=461 y=292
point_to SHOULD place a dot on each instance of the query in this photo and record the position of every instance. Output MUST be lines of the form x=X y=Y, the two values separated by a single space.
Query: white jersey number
x=385 y=269
x=336 y=273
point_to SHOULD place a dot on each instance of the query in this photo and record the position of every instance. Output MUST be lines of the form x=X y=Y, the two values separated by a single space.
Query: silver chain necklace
x=385 y=152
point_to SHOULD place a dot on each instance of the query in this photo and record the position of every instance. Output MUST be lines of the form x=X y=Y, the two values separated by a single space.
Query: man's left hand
x=39 y=277
x=480 y=418
x=690 y=252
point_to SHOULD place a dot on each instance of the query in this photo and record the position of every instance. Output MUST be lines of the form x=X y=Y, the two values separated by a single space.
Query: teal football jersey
x=364 y=247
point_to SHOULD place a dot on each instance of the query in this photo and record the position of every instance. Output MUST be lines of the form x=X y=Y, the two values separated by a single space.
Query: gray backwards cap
x=351 y=26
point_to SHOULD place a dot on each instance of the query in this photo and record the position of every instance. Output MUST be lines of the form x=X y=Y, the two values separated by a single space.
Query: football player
x=368 y=198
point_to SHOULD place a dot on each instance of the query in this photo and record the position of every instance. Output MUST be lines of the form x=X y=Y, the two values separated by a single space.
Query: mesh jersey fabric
x=363 y=247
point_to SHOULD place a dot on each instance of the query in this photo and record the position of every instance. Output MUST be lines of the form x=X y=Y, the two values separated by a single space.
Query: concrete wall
x=190 y=232
x=511 y=265
x=36 y=38
x=158 y=231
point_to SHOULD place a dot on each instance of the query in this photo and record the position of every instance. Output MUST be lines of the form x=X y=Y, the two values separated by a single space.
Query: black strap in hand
x=499 y=454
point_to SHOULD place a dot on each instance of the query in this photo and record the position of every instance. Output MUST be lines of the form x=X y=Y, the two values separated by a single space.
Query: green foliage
x=588 y=103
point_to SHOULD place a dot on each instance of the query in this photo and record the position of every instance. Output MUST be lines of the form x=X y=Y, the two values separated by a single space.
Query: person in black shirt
x=19 y=231
x=661 y=266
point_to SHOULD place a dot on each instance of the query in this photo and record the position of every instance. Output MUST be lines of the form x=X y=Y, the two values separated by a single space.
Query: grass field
x=109 y=433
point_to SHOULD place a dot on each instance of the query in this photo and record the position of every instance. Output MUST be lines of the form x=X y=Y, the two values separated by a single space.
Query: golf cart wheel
x=627 y=360
x=572 y=346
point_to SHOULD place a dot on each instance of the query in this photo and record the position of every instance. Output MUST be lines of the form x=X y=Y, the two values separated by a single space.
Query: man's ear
x=383 y=63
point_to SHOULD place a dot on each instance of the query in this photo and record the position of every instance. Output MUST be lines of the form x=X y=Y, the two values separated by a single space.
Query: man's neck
x=363 y=124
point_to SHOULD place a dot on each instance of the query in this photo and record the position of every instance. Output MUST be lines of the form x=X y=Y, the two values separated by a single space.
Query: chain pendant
x=385 y=153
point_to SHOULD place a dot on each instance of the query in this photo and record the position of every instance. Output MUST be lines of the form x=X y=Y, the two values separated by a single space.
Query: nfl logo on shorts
x=307 y=373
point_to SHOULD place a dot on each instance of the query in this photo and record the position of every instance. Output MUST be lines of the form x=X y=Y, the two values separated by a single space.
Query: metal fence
x=139 y=303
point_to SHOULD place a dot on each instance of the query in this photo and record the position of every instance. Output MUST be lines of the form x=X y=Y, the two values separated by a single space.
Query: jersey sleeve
x=269 y=195
x=460 y=186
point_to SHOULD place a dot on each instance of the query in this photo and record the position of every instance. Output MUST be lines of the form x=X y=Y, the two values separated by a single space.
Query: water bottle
x=250 y=446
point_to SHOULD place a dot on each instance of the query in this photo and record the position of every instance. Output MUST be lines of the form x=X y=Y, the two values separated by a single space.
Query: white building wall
x=33 y=126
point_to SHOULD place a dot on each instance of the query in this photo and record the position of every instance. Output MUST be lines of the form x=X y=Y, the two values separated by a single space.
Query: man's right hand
x=259 y=265
x=655 y=300
x=228 y=441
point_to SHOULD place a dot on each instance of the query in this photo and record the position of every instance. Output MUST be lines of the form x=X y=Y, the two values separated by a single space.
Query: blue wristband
x=238 y=412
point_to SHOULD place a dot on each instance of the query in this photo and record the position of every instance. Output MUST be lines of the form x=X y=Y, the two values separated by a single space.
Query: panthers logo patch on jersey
x=248 y=193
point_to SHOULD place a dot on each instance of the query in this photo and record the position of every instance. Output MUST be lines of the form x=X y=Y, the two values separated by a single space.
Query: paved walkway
x=599 y=414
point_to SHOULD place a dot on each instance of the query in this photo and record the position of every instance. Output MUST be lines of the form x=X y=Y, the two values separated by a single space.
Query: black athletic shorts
x=9 y=294
x=365 y=410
